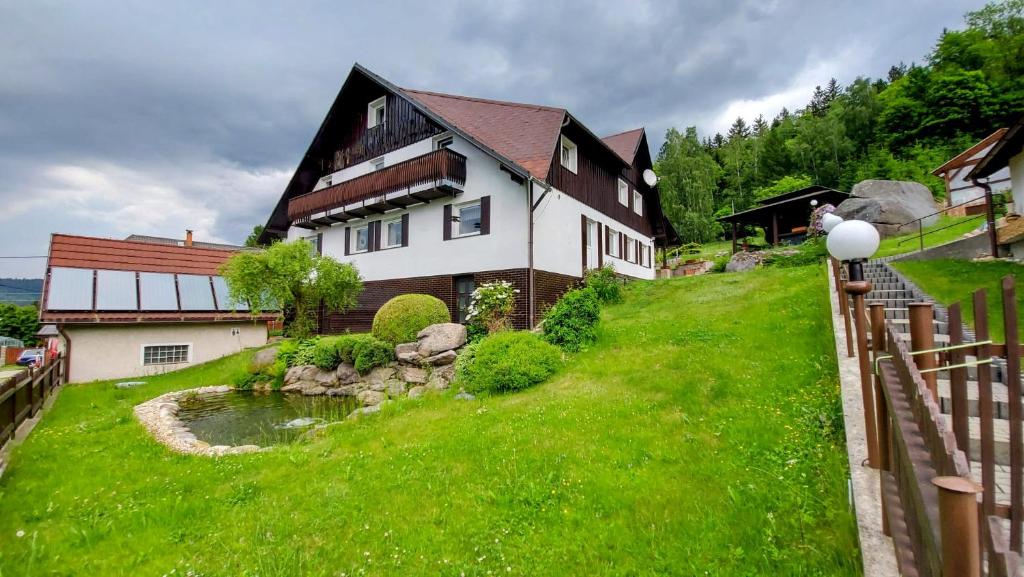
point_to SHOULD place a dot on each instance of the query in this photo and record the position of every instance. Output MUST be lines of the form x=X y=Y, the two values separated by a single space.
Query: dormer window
x=375 y=112
x=568 y=154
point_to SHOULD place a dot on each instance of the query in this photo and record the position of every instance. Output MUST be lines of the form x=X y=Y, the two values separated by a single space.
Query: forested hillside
x=899 y=127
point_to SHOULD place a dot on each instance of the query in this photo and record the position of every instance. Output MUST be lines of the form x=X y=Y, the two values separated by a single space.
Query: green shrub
x=286 y=351
x=508 y=361
x=570 y=324
x=491 y=307
x=247 y=381
x=304 y=353
x=720 y=263
x=402 y=317
x=464 y=363
x=812 y=251
x=325 y=354
x=276 y=373
x=604 y=282
x=364 y=352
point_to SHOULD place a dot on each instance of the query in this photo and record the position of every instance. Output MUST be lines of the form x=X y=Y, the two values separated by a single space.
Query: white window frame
x=371 y=112
x=327 y=180
x=457 y=223
x=446 y=137
x=613 y=244
x=384 y=232
x=355 y=238
x=623 y=193
x=630 y=249
x=144 y=346
x=571 y=162
x=638 y=202
x=312 y=240
x=377 y=164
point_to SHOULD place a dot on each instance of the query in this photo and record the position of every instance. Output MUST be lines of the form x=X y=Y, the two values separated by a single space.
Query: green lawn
x=950 y=281
x=957 y=226
x=701 y=435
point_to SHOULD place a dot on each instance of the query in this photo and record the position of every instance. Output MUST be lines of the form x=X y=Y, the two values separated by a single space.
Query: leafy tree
x=783 y=185
x=290 y=275
x=253 y=240
x=19 y=322
x=689 y=179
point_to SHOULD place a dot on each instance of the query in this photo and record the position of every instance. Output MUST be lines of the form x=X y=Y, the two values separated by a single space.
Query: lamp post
x=852 y=242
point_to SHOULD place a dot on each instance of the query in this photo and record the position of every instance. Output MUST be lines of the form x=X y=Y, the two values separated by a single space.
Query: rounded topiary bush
x=402 y=317
x=507 y=361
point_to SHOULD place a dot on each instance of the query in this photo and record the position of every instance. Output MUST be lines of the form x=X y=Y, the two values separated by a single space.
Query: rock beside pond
x=300 y=373
x=413 y=375
x=370 y=398
x=445 y=358
x=417 y=392
x=346 y=374
x=264 y=358
x=440 y=338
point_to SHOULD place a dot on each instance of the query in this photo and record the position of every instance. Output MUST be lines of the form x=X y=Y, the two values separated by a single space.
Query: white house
x=1008 y=154
x=132 y=308
x=962 y=195
x=436 y=193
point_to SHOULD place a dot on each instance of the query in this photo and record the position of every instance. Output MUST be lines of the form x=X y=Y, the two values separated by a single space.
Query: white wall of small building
x=106 y=351
x=558 y=239
x=428 y=253
x=1016 y=165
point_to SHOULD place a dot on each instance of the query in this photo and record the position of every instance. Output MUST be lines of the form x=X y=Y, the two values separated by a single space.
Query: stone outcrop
x=745 y=261
x=888 y=204
x=425 y=365
x=264 y=358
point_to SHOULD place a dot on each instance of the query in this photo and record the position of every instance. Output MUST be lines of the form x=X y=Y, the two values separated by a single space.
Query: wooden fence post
x=985 y=407
x=958 y=382
x=922 y=338
x=958 y=526
x=1013 y=393
x=878 y=348
x=844 y=304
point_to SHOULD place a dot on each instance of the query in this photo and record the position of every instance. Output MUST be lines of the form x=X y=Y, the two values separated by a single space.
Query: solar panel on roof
x=157 y=292
x=115 y=291
x=195 y=293
x=70 y=289
x=224 y=302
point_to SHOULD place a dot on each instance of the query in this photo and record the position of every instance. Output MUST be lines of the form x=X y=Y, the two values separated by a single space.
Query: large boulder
x=301 y=373
x=440 y=338
x=744 y=261
x=888 y=204
x=346 y=374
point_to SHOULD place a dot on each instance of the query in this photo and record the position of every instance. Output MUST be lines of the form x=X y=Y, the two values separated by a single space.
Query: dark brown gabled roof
x=524 y=133
x=625 y=144
x=72 y=251
x=1011 y=144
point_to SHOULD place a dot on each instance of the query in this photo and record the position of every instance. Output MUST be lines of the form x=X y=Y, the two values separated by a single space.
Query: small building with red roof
x=140 y=307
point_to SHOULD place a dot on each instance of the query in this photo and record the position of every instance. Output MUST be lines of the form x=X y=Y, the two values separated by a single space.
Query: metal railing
x=920 y=223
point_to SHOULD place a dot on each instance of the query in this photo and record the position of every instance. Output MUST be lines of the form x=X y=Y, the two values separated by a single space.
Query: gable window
x=375 y=112
x=623 y=193
x=393 y=232
x=613 y=243
x=638 y=203
x=362 y=238
x=443 y=141
x=467 y=219
x=377 y=163
x=568 y=152
x=165 y=354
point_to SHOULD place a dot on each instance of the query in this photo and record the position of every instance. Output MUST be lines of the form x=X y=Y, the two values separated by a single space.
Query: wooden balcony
x=418 y=180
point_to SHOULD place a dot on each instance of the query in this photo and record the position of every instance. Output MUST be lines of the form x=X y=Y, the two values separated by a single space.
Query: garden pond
x=259 y=418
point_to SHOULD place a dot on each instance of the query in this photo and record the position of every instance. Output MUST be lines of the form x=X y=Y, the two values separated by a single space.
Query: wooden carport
x=786 y=215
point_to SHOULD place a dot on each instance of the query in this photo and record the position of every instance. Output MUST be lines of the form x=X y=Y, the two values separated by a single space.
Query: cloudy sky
x=153 y=117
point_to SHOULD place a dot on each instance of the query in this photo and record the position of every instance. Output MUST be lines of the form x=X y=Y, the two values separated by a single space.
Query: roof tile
x=110 y=254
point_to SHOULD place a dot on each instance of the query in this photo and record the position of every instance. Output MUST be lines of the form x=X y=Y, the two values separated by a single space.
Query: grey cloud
x=208 y=97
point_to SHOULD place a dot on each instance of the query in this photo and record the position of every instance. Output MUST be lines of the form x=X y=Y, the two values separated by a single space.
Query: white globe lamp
x=852 y=241
x=829 y=221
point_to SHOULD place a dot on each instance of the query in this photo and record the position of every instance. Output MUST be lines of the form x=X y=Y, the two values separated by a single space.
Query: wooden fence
x=22 y=396
x=930 y=465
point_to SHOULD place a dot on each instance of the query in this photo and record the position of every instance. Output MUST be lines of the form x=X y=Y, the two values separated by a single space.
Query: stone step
x=1000 y=406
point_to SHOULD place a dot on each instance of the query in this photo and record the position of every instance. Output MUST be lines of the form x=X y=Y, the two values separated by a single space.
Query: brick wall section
x=550 y=286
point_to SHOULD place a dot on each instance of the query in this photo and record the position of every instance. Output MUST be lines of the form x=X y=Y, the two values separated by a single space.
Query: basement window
x=165 y=354
x=568 y=154
x=375 y=112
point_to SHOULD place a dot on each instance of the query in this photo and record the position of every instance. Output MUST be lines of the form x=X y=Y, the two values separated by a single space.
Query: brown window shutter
x=375 y=228
x=320 y=243
x=622 y=246
x=405 y=229
x=485 y=215
x=583 y=236
x=348 y=240
x=608 y=240
x=446 y=227
x=636 y=251
x=600 y=246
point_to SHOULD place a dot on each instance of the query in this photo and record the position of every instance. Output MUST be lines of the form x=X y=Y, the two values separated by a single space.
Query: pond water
x=250 y=418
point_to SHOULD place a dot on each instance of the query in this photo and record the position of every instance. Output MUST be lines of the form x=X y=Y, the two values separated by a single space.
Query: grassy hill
x=701 y=435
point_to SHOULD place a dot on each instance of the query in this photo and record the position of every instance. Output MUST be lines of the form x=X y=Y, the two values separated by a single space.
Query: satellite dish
x=650 y=178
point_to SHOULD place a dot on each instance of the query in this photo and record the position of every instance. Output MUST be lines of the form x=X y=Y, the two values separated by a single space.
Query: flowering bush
x=815 y=228
x=492 y=306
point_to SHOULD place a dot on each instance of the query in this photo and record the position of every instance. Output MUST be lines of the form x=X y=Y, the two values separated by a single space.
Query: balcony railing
x=438 y=170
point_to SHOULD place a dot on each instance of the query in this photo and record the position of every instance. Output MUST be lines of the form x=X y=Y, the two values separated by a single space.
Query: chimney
x=188 y=237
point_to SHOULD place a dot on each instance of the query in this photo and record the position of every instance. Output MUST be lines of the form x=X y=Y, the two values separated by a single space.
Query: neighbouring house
x=784 y=217
x=436 y=193
x=964 y=197
x=1007 y=153
x=131 y=308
